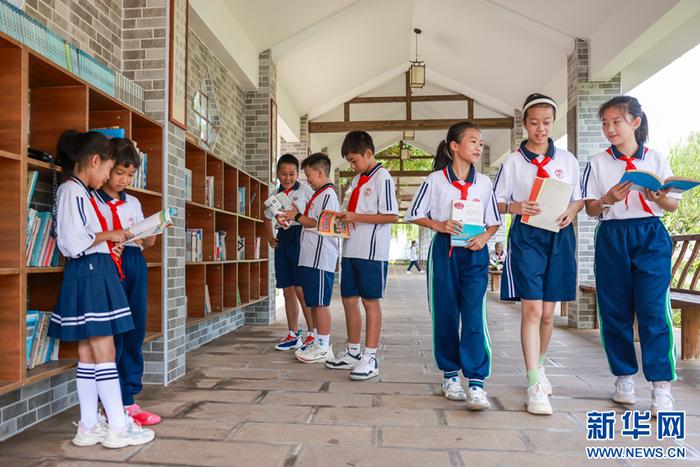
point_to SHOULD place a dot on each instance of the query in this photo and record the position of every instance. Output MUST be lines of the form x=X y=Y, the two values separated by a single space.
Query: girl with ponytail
x=457 y=276
x=632 y=254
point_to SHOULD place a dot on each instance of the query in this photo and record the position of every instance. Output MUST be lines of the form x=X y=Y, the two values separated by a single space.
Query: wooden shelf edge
x=50 y=369
x=43 y=270
x=144 y=191
x=154 y=265
x=213 y=314
x=37 y=164
x=10 y=155
x=8 y=271
x=151 y=336
x=208 y=263
x=9 y=386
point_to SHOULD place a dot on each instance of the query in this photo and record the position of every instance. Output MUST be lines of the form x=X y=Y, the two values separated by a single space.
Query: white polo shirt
x=434 y=198
x=299 y=194
x=605 y=171
x=76 y=220
x=318 y=251
x=377 y=196
x=517 y=173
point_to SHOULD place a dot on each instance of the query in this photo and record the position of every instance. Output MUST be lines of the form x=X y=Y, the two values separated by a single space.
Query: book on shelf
x=553 y=198
x=238 y=296
x=209 y=190
x=220 y=242
x=193 y=249
x=642 y=179
x=188 y=184
x=240 y=248
x=40 y=348
x=32 y=177
x=139 y=180
x=207 y=300
x=41 y=248
x=330 y=225
x=154 y=224
x=256 y=248
x=241 y=200
x=471 y=215
x=111 y=132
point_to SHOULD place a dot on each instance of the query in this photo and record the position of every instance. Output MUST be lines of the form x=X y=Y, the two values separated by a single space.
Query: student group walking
x=102 y=302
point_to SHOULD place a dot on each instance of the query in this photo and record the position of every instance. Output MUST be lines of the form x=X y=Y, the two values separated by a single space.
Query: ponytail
x=629 y=105
x=443 y=155
x=74 y=148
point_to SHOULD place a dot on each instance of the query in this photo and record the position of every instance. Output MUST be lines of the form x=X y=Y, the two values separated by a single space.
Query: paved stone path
x=243 y=403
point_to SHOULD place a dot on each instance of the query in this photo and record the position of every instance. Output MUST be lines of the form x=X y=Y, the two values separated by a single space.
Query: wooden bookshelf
x=40 y=101
x=228 y=279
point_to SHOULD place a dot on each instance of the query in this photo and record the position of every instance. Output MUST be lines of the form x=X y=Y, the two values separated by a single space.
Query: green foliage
x=685 y=162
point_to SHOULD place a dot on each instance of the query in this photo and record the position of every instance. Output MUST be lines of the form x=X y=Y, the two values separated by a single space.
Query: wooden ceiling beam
x=401 y=99
x=400 y=125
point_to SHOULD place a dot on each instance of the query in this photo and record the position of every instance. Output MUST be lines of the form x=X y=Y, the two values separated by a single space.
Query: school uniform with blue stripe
x=128 y=345
x=457 y=277
x=289 y=240
x=632 y=268
x=366 y=253
x=91 y=301
x=318 y=256
x=540 y=265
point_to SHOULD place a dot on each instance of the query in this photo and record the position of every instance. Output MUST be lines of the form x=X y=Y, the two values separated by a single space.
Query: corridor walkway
x=242 y=403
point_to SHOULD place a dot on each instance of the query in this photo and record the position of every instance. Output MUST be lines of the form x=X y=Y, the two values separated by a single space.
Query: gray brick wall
x=300 y=148
x=93 y=25
x=585 y=139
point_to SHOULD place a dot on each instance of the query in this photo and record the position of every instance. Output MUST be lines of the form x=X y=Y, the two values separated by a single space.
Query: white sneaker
x=90 y=437
x=661 y=401
x=624 y=391
x=538 y=400
x=316 y=355
x=305 y=350
x=476 y=399
x=409 y=272
x=367 y=368
x=453 y=390
x=422 y=271
x=545 y=382
x=345 y=361
x=133 y=434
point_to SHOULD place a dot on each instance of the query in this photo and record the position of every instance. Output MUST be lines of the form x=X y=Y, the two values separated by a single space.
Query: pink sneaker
x=143 y=417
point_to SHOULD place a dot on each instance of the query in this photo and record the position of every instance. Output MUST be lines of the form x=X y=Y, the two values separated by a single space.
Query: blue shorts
x=541 y=265
x=363 y=277
x=317 y=286
x=287 y=257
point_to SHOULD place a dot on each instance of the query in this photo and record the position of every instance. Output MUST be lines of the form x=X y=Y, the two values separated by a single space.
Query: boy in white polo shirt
x=318 y=256
x=371 y=210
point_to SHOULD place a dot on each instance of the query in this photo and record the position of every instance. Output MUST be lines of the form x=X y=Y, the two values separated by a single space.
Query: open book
x=471 y=215
x=553 y=197
x=152 y=225
x=277 y=204
x=331 y=226
x=641 y=179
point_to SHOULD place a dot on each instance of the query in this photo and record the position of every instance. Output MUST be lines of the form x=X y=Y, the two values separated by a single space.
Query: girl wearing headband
x=540 y=268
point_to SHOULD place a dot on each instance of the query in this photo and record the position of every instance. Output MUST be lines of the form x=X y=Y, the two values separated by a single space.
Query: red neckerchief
x=355 y=196
x=318 y=192
x=103 y=223
x=463 y=187
x=629 y=165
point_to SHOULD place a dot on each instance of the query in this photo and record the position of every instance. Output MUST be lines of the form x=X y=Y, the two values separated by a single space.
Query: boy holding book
x=287 y=243
x=318 y=256
x=371 y=210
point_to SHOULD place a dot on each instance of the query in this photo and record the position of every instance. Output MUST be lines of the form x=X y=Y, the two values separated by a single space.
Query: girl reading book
x=540 y=267
x=457 y=276
x=632 y=254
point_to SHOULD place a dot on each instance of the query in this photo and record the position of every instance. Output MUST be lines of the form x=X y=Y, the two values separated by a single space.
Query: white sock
x=665 y=385
x=315 y=332
x=110 y=394
x=627 y=378
x=324 y=342
x=87 y=394
x=354 y=349
x=371 y=351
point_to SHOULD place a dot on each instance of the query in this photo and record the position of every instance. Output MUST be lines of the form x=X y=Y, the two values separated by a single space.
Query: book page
x=152 y=225
x=553 y=197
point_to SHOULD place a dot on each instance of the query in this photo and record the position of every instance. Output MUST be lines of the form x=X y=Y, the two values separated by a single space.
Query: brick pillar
x=257 y=163
x=517 y=133
x=585 y=139
x=301 y=148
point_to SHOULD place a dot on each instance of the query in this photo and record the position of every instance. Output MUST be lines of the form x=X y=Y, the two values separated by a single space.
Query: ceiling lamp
x=409 y=135
x=417 y=69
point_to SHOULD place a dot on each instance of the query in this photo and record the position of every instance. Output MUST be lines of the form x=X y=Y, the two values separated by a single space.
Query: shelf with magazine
x=40 y=101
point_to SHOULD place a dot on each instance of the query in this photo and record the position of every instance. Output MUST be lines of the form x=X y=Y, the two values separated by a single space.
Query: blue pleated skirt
x=91 y=301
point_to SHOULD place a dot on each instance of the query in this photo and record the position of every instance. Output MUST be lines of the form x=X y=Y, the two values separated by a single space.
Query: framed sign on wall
x=178 y=62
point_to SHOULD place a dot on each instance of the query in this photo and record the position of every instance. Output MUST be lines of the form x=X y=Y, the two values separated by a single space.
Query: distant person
x=498 y=257
x=414 y=258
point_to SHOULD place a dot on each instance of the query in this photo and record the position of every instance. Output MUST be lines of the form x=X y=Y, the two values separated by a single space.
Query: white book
x=553 y=198
x=471 y=215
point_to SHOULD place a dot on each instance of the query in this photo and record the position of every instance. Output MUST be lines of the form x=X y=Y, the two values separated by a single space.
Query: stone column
x=585 y=139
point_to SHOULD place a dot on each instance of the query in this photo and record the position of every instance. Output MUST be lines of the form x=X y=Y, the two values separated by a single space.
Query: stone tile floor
x=243 y=403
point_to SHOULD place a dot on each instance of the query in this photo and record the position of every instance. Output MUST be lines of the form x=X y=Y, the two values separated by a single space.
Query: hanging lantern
x=417 y=69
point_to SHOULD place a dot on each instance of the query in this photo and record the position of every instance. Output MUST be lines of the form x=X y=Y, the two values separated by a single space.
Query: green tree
x=685 y=161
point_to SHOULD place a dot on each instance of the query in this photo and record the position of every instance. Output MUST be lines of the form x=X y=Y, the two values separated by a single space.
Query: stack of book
x=41 y=246
x=241 y=200
x=220 y=245
x=40 y=348
x=193 y=250
x=139 y=180
x=209 y=191
x=111 y=132
x=188 y=184
x=241 y=248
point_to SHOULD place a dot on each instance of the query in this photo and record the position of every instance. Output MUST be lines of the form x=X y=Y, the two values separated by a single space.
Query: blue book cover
x=641 y=179
x=241 y=200
x=32 y=177
x=36 y=251
x=31 y=318
x=110 y=132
